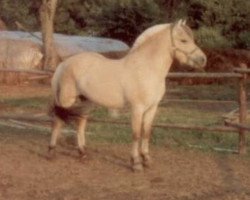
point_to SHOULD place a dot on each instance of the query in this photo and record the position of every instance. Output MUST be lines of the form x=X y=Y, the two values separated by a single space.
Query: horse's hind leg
x=81 y=135
x=147 y=129
x=56 y=130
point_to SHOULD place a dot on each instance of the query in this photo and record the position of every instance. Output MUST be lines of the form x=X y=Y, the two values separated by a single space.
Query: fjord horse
x=137 y=80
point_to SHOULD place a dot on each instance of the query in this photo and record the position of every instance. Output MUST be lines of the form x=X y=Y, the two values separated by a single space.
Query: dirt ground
x=177 y=173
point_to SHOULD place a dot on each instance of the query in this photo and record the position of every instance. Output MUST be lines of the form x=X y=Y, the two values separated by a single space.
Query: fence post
x=242 y=110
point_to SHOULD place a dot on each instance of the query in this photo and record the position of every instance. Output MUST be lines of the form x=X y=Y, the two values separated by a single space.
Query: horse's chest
x=147 y=91
x=155 y=92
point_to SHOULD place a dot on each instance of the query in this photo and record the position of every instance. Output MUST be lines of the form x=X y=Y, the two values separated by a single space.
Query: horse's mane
x=147 y=34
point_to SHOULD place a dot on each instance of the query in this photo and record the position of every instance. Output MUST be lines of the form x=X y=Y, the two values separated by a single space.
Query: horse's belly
x=110 y=97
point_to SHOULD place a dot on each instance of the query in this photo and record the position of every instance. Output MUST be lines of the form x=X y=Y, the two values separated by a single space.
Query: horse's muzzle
x=201 y=61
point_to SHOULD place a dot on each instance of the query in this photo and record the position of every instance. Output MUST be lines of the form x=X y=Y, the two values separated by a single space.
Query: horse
x=136 y=80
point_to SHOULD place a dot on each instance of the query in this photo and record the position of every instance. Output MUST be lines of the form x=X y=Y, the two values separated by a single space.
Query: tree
x=229 y=19
x=121 y=19
x=47 y=14
x=23 y=11
x=218 y=23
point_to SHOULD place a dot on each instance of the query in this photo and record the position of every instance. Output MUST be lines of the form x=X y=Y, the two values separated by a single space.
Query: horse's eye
x=184 y=41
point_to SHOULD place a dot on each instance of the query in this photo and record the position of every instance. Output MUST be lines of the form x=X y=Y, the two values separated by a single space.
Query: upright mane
x=147 y=34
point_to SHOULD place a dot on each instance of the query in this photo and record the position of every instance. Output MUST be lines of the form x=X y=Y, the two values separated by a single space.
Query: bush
x=212 y=38
x=244 y=40
x=122 y=19
x=70 y=17
x=215 y=20
x=23 y=11
x=231 y=17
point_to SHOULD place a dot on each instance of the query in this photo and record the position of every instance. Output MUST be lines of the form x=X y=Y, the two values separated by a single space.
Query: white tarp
x=68 y=45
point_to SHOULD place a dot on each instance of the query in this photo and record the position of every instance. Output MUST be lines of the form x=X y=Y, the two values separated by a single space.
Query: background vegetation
x=217 y=23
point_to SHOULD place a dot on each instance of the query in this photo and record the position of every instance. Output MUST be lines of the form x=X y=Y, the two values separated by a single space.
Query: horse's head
x=184 y=48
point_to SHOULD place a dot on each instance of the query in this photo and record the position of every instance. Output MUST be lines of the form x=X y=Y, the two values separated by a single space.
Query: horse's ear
x=184 y=22
x=177 y=26
x=178 y=23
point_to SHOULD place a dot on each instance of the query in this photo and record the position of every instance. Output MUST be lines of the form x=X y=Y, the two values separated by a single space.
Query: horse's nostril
x=202 y=60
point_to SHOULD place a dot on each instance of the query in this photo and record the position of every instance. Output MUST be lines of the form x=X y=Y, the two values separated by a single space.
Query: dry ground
x=177 y=173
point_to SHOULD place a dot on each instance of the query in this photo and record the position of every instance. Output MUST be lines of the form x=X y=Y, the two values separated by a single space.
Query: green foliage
x=23 y=11
x=212 y=38
x=121 y=19
x=228 y=17
x=218 y=23
x=243 y=40
x=70 y=17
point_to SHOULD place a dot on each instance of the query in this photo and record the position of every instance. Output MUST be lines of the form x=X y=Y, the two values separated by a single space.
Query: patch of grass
x=211 y=92
x=202 y=140
x=29 y=103
x=109 y=133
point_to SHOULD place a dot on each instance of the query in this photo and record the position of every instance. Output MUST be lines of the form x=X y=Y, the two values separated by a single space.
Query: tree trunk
x=3 y=26
x=47 y=14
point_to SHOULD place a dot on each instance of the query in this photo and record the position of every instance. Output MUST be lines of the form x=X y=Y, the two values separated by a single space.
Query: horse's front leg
x=81 y=135
x=147 y=130
x=136 y=161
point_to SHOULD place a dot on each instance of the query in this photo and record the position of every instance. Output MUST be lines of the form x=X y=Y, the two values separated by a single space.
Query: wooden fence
x=239 y=127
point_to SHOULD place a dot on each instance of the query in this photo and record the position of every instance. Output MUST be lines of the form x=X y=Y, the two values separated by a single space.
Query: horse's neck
x=155 y=53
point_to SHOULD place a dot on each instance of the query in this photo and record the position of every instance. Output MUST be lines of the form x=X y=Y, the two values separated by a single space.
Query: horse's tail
x=66 y=114
x=69 y=111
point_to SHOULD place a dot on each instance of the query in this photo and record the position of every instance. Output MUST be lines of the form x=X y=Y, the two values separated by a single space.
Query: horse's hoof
x=136 y=165
x=147 y=161
x=82 y=153
x=51 y=153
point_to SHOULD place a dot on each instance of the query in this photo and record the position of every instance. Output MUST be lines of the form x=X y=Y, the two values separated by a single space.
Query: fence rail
x=237 y=74
x=240 y=74
x=34 y=71
x=125 y=123
x=203 y=75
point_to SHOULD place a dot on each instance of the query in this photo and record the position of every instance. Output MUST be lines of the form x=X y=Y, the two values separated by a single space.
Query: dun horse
x=138 y=80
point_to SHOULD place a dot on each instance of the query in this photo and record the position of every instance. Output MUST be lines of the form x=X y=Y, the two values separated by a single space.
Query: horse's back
x=91 y=75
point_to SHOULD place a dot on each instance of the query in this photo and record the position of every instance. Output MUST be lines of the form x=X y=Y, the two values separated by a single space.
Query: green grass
x=205 y=92
x=26 y=103
x=109 y=133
